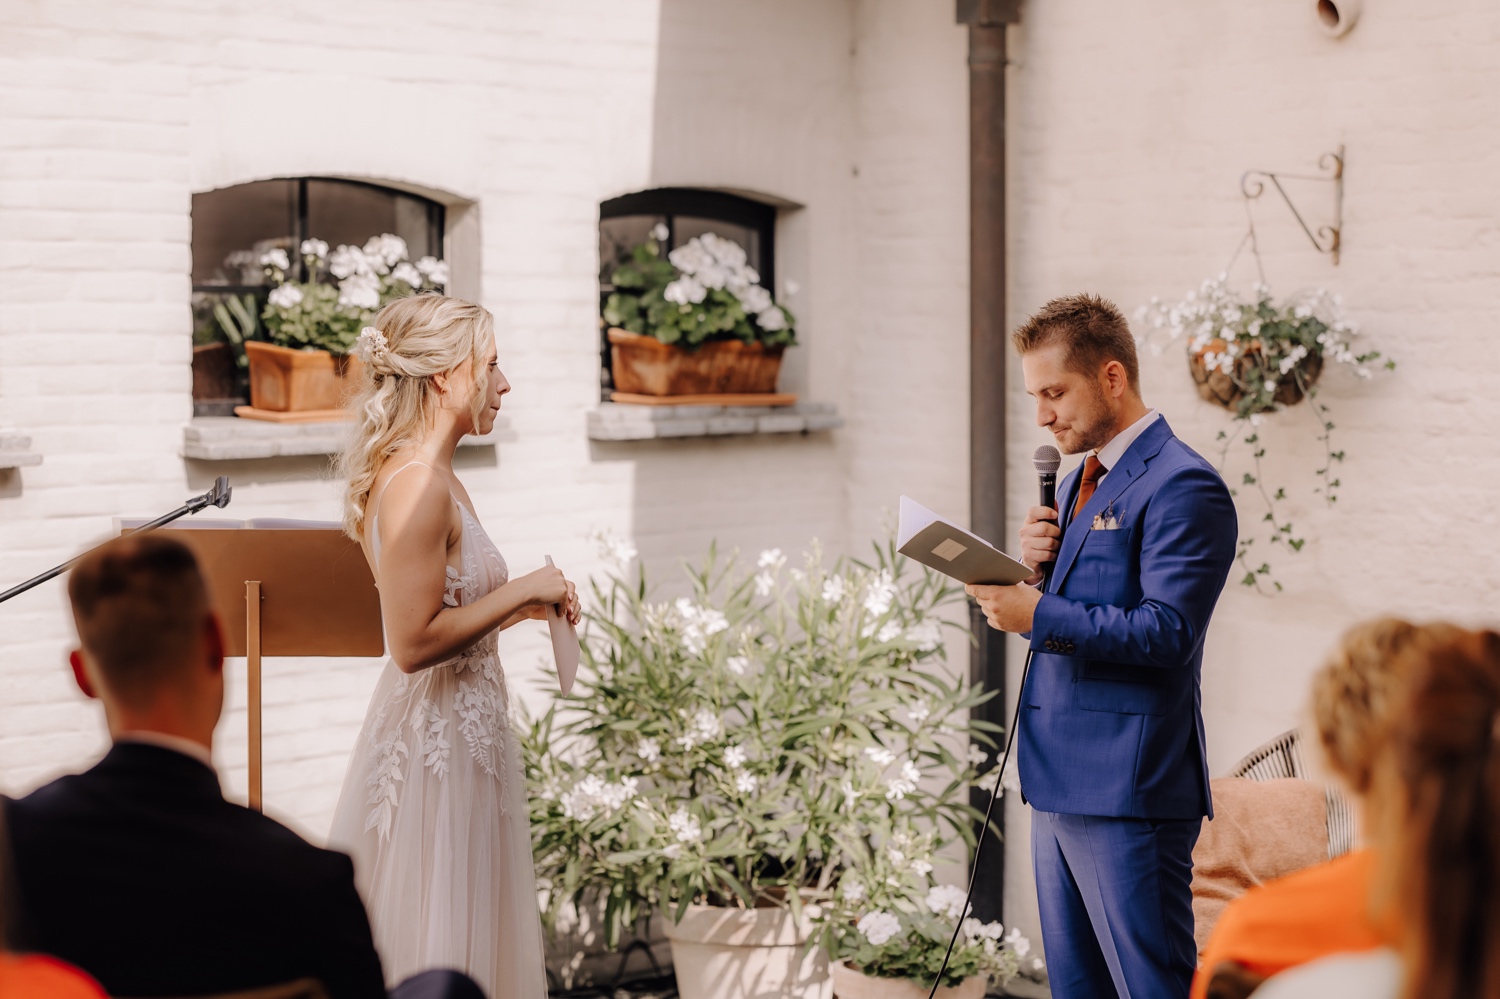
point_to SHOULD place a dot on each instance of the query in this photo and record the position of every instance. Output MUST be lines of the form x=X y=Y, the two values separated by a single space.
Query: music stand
x=286 y=592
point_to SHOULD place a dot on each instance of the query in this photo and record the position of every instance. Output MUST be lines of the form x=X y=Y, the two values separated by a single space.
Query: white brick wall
x=1131 y=125
x=113 y=114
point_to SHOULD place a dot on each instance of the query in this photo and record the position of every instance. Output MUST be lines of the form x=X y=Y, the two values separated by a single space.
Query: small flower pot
x=283 y=380
x=643 y=365
x=722 y=953
x=851 y=984
x=215 y=388
x=1216 y=386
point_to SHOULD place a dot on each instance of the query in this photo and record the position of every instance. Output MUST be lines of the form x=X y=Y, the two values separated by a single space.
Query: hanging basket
x=1218 y=387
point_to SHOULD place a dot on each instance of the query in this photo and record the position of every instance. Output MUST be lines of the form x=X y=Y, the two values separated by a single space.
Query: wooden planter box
x=645 y=366
x=292 y=384
x=215 y=382
x=1216 y=386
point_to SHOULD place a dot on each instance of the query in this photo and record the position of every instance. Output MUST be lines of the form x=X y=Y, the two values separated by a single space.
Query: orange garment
x=1313 y=913
x=34 y=976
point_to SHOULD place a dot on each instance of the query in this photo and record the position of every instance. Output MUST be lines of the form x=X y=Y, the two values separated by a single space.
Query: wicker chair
x=1282 y=757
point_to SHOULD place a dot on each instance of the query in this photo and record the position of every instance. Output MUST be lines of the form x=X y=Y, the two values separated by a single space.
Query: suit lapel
x=1130 y=466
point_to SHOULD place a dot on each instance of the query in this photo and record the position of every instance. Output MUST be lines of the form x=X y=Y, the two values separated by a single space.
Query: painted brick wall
x=1131 y=126
x=113 y=115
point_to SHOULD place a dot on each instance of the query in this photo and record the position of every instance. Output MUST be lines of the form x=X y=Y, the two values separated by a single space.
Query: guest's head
x=151 y=646
x=431 y=368
x=1435 y=814
x=1079 y=362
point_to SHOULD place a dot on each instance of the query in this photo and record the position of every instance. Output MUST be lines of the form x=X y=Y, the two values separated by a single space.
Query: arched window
x=234 y=227
x=628 y=221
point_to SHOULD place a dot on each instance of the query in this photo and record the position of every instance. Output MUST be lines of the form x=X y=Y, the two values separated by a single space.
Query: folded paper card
x=925 y=537
x=565 y=651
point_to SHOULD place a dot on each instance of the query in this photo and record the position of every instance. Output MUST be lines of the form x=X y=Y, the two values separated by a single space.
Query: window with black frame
x=236 y=230
x=673 y=217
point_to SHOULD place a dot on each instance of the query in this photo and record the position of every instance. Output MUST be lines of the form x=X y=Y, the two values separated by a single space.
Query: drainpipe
x=986 y=20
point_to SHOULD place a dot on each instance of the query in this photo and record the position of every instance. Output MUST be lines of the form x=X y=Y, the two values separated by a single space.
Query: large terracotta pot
x=1216 y=386
x=721 y=953
x=851 y=984
x=644 y=365
x=283 y=380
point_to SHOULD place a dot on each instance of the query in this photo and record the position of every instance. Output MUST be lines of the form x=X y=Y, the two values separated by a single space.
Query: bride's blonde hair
x=412 y=340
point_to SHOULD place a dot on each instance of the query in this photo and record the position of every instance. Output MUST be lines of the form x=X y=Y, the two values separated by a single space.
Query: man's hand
x=1041 y=539
x=1007 y=608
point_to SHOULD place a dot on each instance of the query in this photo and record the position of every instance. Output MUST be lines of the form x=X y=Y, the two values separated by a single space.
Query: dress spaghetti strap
x=375 y=515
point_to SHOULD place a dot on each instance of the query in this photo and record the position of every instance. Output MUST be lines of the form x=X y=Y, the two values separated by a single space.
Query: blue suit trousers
x=1116 y=904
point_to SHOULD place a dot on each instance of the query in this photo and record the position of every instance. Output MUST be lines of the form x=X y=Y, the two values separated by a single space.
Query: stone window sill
x=230 y=438
x=15 y=451
x=620 y=422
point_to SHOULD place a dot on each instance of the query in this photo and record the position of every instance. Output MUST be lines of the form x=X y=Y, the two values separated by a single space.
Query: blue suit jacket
x=1112 y=723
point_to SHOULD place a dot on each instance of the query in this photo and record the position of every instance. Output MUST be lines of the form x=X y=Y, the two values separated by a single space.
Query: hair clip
x=371 y=345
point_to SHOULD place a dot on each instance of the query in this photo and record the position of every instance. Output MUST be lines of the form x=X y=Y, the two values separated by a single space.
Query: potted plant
x=728 y=757
x=1256 y=358
x=698 y=322
x=312 y=324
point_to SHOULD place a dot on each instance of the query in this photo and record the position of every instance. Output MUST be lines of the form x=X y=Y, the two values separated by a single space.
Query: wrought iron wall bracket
x=1328 y=238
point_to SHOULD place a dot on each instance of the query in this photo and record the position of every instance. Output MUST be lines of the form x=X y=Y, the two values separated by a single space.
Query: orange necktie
x=1093 y=471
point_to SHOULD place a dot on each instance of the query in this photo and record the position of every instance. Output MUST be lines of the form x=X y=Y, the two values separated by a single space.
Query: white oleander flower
x=276 y=258
x=948 y=901
x=672 y=851
x=764 y=584
x=878 y=927
x=880 y=594
x=734 y=757
x=648 y=750
x=921 y=868
x=833 y=589
x=853 y=890
x=286 y=296
x=360 y=291
x=434 y=270
x=314 y=248
x=889 y=632
x=899 y=787
x=919 y=711
x=685 y=290
x=738 y=665
x=592 y=797
x=771 y=320
x=771 y=559
x=686 y=826
x=851 y=794
x=925 y=635
x=746 y=783
x=697 y=625
x=988 y=782
x=880 y=755
x=977 y=755
x=707 y=725
x=406 y=272
x=614 y=550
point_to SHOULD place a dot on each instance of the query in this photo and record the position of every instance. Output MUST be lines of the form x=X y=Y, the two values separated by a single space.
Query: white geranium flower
x=734 y=757
x=1017 y=942
x=360 y=291
x=790 y=287
x=686 y=826
x=975 y=930
x=946 y=900
x=925 y=635
x=883 y=757
x=878 y=927
x=833 y=589
x=314 y=248
x=648 y=750
x=724 y=251
x=434 y=270
x=406 y=272
x=347 y=261
x=685 y=291
x=286 y=296
x=387 y=249
x=713 y=277
x=691 y=257
x=660 y=232
x=977 y=755
x=771 y=320
x=276 y=258
x=755 y=299
x=880 y=594
x=988 y=782
x=746 y=783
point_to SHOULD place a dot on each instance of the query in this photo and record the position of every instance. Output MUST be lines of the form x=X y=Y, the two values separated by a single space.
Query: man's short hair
x=139 y=603
x=1092 y=329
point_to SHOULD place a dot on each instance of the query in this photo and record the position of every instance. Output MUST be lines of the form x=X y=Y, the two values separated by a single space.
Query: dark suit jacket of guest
x=139 y=872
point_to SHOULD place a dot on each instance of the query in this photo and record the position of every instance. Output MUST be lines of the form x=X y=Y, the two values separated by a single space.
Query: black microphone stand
x=218 y=496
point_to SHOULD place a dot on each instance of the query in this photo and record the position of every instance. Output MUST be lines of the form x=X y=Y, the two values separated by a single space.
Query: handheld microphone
x=1047 y=460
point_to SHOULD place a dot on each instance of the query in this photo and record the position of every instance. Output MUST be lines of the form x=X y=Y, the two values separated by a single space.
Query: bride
x=433 y=809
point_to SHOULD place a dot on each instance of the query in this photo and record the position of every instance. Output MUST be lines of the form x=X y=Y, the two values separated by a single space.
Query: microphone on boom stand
x=218 y=496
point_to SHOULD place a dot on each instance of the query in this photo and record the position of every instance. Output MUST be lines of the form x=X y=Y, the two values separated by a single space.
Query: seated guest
x=138 y=871
x=1434 y=813
x=1324 y=909
x=29 y=976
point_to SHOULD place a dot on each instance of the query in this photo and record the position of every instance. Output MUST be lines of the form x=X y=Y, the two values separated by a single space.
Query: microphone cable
x=1010 y=739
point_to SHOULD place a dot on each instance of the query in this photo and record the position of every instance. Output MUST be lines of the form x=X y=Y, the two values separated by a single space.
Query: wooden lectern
x=286 y=591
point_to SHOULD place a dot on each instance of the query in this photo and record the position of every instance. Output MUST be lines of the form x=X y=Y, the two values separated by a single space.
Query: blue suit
x=1111 y=746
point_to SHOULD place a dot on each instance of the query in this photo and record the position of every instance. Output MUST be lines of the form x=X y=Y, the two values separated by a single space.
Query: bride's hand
x=550 y=586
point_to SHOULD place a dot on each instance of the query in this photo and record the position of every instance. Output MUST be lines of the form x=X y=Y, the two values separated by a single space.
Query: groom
x=1111 y=753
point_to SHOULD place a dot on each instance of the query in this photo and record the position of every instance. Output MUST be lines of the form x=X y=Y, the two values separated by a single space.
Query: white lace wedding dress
x=433 y=809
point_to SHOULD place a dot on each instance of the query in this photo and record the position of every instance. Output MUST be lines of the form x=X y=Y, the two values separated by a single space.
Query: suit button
x=1050 y=645
x=1070 y=648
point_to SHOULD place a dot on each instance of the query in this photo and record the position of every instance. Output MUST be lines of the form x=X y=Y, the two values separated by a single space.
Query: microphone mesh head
x=1047 y=459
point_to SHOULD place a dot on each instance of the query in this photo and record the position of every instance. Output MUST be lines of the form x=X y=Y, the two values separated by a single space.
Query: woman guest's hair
x=1093 y=329
x=413 y=339
x=1437 y=815
x=1351 y=695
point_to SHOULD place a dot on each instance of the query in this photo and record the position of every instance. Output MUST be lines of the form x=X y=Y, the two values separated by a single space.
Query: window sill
x=622 y=422
x=15 y=451
x=229 y=438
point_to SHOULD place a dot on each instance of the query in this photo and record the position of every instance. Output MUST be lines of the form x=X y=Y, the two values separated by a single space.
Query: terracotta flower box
x=283 y=380
x=644 y=365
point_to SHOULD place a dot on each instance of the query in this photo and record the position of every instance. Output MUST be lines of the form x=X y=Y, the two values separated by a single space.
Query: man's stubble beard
x=1096 y=432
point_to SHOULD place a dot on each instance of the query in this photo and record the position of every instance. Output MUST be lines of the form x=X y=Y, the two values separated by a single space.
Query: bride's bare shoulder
x=412 y=491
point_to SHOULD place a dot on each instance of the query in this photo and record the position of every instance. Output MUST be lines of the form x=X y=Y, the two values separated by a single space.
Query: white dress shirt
x=1110 y=454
